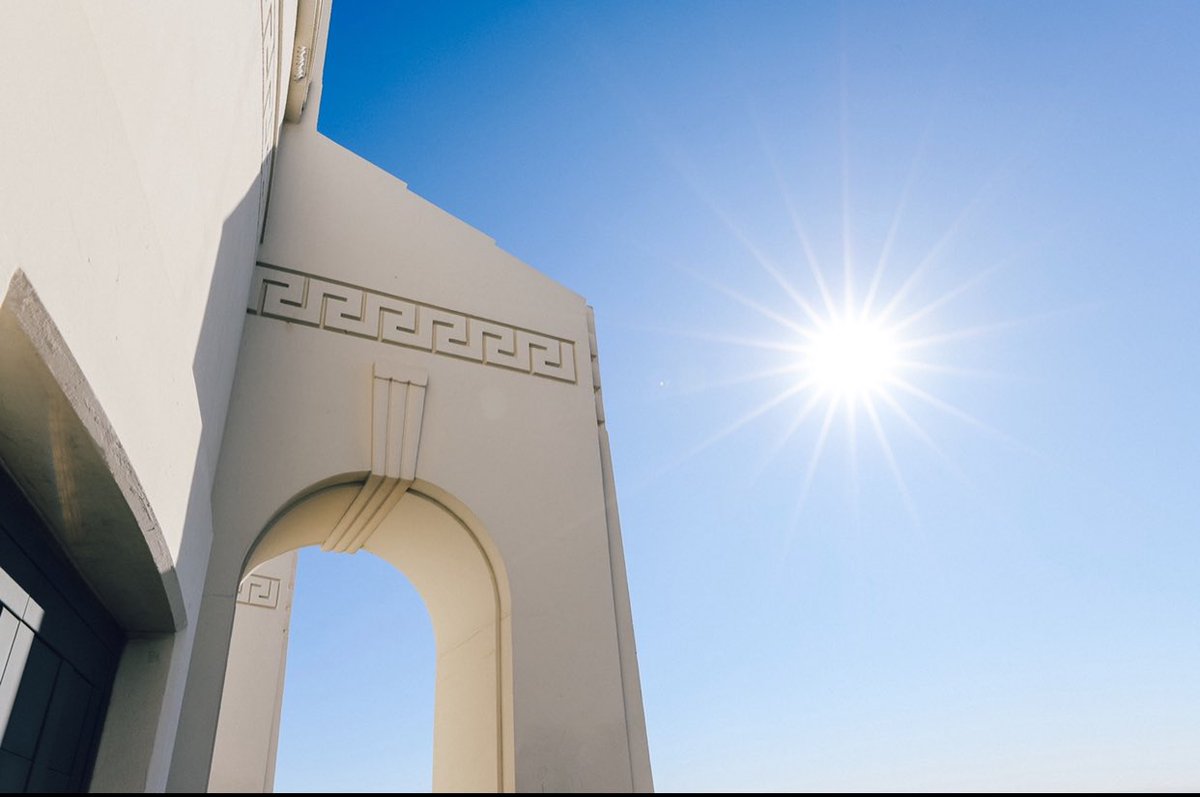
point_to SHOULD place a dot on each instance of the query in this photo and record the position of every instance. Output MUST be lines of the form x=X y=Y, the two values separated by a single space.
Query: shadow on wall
x=68 y=461
x=214 y=369
x=154 y=669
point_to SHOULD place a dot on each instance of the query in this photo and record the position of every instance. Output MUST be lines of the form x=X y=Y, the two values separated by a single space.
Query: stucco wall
x=132 y=140
x=130 y=166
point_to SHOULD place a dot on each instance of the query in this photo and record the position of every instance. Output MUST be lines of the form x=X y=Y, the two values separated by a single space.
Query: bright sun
x=851 y=358
x=857 y=359
x=854 y=351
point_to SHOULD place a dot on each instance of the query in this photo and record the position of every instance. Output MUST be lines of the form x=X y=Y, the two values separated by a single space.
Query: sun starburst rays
x=856 y=336
x=860 y=356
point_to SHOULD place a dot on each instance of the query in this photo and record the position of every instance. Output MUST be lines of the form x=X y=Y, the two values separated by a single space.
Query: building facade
x=224 y=338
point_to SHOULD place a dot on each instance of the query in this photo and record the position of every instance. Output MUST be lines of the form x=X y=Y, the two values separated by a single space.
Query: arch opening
x=441 y=548
x=359 y=617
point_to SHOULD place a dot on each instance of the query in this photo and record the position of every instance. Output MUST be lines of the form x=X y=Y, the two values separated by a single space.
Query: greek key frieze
x=339 y=307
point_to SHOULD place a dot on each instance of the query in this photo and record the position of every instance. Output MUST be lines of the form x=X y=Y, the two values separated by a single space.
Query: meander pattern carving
x=340 y=307
x=258 y=590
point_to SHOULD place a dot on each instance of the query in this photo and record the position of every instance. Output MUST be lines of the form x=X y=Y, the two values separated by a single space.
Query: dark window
x=58 y=655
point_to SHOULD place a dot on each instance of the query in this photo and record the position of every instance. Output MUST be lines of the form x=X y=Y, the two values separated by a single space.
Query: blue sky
x=1015 y=602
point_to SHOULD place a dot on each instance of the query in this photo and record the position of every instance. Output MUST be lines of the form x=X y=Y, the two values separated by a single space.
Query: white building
x=223 y=338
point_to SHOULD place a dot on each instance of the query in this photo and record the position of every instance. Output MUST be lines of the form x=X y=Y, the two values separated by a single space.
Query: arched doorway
x=442 y=550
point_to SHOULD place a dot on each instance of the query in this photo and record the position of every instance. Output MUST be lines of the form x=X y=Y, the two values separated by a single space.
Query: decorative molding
x=269 y=19
x=299 y=66
x=260 y=591
x=631 y=686
x=349 y=309
x=595 y=361
x=397 y=409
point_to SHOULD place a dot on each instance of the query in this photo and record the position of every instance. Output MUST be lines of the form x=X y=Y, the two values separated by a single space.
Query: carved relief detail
x=262 y=591
x=339 y=307
x=397 y=409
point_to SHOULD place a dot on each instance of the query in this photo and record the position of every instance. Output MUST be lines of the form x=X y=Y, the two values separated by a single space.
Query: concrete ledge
x=60 y=448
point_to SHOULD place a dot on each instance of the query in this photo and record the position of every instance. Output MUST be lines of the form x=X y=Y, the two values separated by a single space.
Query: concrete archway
x=447 y=557
x=397 y=367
